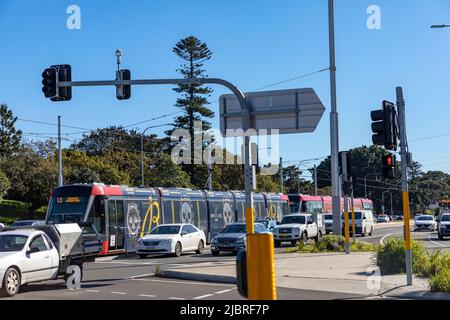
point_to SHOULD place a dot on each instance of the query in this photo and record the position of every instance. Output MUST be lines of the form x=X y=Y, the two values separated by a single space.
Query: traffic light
x=123 y=92
x=389 y=166
x=50 y=79
x=384 y=126
x=346 y=170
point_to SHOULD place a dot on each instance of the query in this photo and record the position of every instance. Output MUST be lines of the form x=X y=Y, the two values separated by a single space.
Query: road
x=428 y=239
x=130 y=278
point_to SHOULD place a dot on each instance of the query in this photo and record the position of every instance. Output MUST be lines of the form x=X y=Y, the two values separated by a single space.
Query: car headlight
x=214 y=240
x=275 y=230
x=164 y=242
x=241 y=241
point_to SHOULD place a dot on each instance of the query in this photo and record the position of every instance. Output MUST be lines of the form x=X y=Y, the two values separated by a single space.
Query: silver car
x=233 y=238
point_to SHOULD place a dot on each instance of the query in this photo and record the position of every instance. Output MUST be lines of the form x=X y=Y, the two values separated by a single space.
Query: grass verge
x=332 y=243
x=390 y=257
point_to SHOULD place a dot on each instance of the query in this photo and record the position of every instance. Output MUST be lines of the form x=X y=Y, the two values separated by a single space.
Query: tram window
x=96 y=216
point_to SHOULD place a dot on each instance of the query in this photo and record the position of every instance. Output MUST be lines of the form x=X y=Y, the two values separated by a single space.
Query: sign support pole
x=405 y=192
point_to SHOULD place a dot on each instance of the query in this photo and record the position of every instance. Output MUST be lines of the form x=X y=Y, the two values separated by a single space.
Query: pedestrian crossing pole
x=405 y=193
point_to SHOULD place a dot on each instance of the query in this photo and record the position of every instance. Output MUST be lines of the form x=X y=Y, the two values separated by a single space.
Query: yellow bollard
x=347 y=233
x=261 y=267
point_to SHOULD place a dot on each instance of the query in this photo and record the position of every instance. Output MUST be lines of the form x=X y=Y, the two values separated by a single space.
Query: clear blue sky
x=255 y=43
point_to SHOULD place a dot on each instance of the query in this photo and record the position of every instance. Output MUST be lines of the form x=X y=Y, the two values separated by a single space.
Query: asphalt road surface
x=130 y=278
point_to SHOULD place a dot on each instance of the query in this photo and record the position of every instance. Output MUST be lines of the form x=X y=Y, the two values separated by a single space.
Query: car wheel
x=305 y=238
x=178 y=249
x=318 y=237
x=441 y=237
x=142 y=256
x=277 y=243
x=371 y=232
x=363 y=234
x=294 y=243
x=201 y=247
x=215 y=253
x=11 y=283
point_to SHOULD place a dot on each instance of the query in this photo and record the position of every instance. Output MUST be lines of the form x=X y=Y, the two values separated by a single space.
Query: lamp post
x=142 y=152
x=440 y=26
x=299 y=174
x=365 y=182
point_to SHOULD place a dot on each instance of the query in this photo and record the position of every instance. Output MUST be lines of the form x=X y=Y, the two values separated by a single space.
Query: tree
x=5 y=184
x=194 y=96
x=78 y=167
x=104 y=140
x=32 y=177
x=163 y=172
x=9 y=136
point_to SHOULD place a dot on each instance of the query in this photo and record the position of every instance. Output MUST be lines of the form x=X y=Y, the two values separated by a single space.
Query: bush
x=332 y=243
x=390 y=257
x=440 y=282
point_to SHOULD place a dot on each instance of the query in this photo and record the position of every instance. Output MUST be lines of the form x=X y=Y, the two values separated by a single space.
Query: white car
x=364 y=223
x=172 y=239
x=425 y=222
x=295 y=227
x=26 y=256
x=444 y=226
x=2 y=226
x=383 y=219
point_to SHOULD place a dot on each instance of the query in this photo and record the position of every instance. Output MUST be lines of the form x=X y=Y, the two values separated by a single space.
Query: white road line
x=143 y=276
x=147 y=295
x=223 y=291
x=117 y=292
x=382 y=239
x=187 y=282
x=175 y=298
x=439 y=244
x=95 y=291
x=204 y=296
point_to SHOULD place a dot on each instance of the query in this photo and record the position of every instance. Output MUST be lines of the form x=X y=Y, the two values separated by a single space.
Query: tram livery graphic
x=123 y=214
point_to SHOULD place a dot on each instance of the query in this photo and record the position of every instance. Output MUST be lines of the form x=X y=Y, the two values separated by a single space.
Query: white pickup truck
x=43 y=253
x=295 y=227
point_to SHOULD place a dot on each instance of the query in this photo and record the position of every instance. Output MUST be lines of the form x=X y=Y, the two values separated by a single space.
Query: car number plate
x=284 y=234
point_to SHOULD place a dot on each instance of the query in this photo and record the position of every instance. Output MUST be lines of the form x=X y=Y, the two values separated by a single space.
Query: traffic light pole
x=334 y=134
x=260 y=271
x=405 y=192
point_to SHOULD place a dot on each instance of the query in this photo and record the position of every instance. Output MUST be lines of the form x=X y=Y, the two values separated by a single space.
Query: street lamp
x=315 y=173
x=365 y=182
x=142 y=151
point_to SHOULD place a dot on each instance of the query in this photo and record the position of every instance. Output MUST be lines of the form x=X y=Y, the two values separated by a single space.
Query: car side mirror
x=183 y=233
x=32 y=250
x=278 y=223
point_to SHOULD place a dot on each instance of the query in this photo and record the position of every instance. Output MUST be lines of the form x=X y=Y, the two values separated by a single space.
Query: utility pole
x=281 y=175
x=334 y=129
x=210 y=175
x=315 y=180
x=60 y=177
x=405 y=193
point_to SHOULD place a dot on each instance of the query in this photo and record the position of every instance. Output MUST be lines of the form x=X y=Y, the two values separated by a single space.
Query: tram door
x=116 y=224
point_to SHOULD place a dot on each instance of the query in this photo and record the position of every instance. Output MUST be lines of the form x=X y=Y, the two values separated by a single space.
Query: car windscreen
x=425 y=218
x=264 y=222
x=446 y=217
x=293 y=219
x=11 y=243
x=166 y=230
x=22 y=223
x=235 y=228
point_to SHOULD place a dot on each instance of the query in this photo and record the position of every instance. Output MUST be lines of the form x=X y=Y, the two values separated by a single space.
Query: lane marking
x=439 y=244
x=95 y=291
x=175 y=298
x=117 y=292
x=223 y=291
x=382 y=239
x=204 y=296
x=147 y=295
x=186 y=282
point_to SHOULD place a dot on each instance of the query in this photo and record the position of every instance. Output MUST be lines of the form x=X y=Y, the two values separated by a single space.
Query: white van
x=365 y=224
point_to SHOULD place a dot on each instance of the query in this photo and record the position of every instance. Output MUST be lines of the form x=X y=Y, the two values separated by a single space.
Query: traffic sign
x=289 y=111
